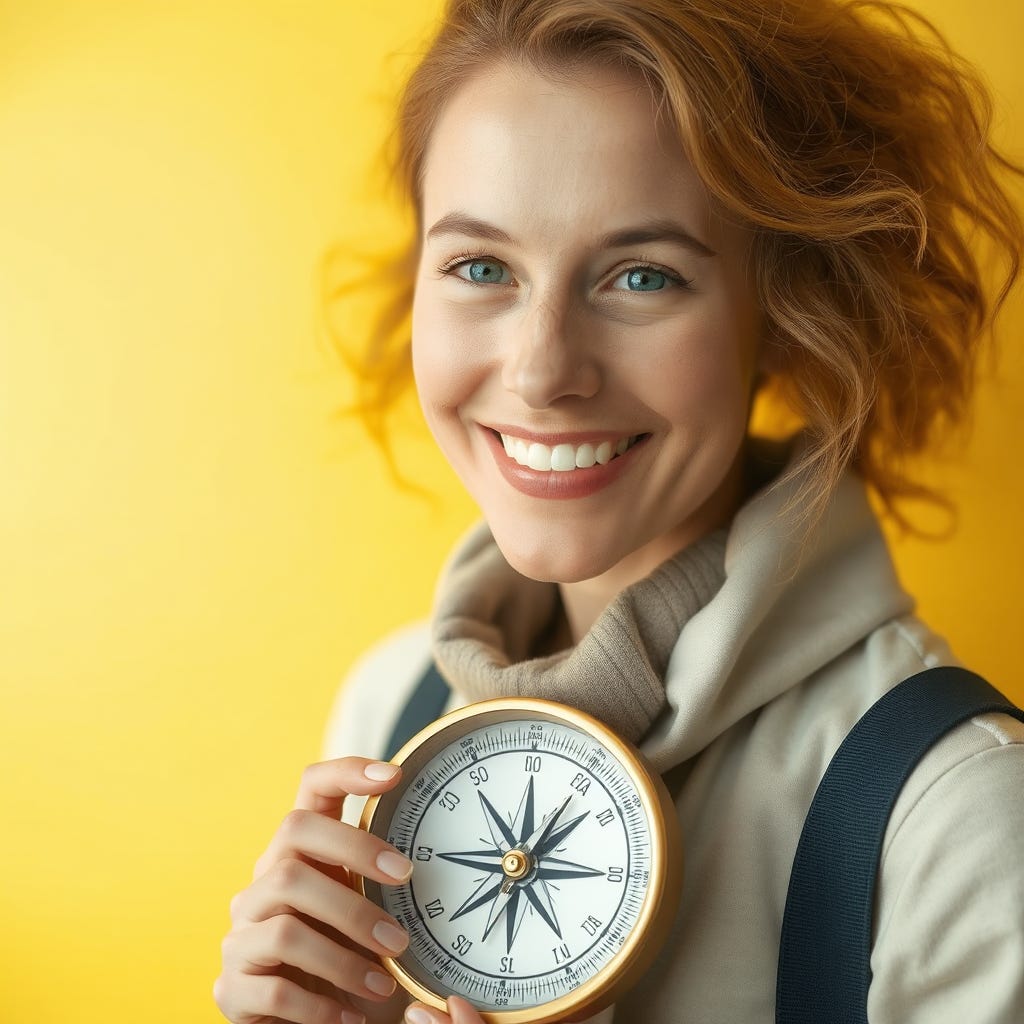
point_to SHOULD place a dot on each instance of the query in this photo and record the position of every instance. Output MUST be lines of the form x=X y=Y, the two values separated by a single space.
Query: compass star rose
x=518 y=866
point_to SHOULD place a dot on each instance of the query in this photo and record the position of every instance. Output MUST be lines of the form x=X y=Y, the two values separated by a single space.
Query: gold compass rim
x=659 y=904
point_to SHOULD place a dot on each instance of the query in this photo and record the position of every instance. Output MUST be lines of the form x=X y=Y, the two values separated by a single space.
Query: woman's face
x=584 y=330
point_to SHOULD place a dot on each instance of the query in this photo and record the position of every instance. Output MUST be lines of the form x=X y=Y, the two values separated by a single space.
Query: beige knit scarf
x=490 y=621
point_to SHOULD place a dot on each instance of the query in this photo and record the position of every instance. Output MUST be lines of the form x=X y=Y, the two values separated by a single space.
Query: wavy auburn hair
x=852 y=141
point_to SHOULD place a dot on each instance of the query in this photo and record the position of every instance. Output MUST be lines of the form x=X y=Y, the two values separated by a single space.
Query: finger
x=288 y=941
x=459 y=1012
x=462 y=1012
x=418 y=1013
x=325 y=785
x=306 y=834
x=245 y=998
x=295 y=887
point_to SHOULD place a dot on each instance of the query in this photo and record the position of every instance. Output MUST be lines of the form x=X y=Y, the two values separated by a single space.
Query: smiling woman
x=635 y=218
x=598 y=318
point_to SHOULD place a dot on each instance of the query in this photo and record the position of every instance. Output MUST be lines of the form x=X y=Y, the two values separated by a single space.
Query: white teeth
x=563 y=458
x=539 y=457
x=585 y=457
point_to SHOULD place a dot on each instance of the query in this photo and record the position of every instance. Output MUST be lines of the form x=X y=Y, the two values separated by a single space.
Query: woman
x=634 y=218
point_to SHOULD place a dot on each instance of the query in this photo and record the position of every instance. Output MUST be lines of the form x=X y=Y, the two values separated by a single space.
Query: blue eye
x=645 y=279
x=481 y=271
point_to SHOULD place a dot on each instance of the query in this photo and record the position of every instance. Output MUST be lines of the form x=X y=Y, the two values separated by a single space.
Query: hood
x=758 y=609
x=797 y=594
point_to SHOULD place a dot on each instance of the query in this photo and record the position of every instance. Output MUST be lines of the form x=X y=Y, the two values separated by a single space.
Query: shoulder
x=374 y=691
x=949 y=916
x=973 y=774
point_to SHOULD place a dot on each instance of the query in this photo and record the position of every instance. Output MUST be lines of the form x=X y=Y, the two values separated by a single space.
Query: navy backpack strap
x=426 y=705
x=825 y=951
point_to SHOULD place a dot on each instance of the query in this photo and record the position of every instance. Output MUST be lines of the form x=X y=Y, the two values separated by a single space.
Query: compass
x=547 y=861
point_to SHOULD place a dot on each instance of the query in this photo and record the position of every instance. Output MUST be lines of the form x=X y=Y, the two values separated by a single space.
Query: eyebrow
x=458 y=223
x=655 y=231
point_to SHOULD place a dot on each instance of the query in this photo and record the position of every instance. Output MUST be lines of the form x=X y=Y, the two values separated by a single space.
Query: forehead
x=558 y=154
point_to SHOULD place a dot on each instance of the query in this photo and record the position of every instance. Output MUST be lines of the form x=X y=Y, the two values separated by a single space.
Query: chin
x=551 y=559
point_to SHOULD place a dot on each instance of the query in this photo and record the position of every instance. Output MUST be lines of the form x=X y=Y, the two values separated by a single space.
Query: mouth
x=565 y=457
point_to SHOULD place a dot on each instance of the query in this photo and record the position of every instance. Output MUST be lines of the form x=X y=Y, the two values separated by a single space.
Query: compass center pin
x=516 y=864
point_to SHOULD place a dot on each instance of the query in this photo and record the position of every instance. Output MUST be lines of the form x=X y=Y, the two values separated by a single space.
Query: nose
x=548 y=358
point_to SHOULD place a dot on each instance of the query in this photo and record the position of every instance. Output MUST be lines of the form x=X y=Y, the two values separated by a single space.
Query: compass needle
x=500 y=902
x=540 y=836
x=541 y=900
x=513 y=918
x=479 y=860
x=500 y=832
x=556 y=837
x=476 y=900
x=553 y=867
x=523 y=825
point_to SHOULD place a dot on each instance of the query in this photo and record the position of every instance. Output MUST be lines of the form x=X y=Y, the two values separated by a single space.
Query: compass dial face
x=533 y=843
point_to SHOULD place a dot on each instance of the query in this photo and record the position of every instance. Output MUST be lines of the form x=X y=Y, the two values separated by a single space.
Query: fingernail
x=350 y=1017
x=382 y=984
x=416 y=1015
x=390 y=936
x=380 y=771
x=395 y=865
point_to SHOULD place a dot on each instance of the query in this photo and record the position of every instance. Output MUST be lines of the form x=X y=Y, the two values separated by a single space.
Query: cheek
x=434 y=352
x=702 y=376
x=449 y=360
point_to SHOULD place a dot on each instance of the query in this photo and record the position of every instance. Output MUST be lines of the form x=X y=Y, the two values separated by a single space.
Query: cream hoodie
x=761 y=686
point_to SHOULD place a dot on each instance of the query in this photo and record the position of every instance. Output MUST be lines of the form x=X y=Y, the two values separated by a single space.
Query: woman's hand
x=303 y=942
x=459 y=1012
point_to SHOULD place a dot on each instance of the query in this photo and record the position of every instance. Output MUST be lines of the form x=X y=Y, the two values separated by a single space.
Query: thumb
x=461 y=1012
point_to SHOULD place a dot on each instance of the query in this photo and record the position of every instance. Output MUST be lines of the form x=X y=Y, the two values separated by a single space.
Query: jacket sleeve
x=949 y=914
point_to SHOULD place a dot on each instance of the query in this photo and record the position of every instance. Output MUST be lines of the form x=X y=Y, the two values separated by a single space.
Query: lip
x=579 y=483
x=573 y=437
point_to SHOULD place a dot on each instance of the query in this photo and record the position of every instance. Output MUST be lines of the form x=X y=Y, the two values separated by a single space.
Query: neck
x=585 y=600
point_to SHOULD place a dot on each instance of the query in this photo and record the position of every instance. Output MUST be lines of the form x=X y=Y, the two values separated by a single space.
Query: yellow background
x=193 y=547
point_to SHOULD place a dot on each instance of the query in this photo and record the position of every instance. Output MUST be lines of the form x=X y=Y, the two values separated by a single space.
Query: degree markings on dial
x=442 y=775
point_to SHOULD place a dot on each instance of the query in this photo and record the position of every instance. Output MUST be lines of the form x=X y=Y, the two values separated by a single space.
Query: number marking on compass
x=534 y=915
